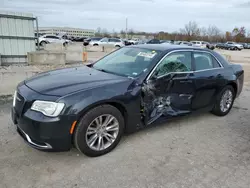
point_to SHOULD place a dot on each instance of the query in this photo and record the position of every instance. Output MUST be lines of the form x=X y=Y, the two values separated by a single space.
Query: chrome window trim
x=187 y=72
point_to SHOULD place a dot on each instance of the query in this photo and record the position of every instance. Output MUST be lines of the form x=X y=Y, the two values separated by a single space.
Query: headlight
x=51 y=109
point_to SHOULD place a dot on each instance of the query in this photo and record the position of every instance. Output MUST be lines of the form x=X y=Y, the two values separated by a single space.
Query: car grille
x=20 y=102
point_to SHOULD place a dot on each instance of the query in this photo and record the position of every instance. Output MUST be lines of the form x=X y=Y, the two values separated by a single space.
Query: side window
x=203 y=61
x=114 y=40
x=104 y=40
x=49 y=37
x=175 y=62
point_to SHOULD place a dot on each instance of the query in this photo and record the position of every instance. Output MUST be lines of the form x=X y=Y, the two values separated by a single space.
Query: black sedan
x=90 y=107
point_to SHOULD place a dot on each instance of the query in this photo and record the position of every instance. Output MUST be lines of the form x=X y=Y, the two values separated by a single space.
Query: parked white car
x=200 y=44
x=45 y=39
x=112 y=42
x=134 y=41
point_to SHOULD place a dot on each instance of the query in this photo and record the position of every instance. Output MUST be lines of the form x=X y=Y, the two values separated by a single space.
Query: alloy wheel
x=102 y=132
x=226 y=100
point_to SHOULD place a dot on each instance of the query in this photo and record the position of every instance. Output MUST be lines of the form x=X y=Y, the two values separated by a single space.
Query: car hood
x=68 y=80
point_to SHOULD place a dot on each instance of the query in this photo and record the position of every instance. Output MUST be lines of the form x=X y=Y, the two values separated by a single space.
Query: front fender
x=126 y=97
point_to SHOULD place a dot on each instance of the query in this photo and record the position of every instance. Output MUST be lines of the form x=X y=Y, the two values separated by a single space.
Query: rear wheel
x=224 y=101
x=99 y=131
x=117 y=46
x=95 y=45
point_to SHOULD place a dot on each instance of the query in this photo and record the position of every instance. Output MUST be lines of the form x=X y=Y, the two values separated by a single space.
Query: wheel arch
x=234 y=85
x=115 y=104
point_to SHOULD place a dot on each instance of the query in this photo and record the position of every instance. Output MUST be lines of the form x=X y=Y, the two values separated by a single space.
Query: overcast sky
x=143 y=15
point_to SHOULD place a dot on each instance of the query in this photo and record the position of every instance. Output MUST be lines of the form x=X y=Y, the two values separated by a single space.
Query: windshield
x=127 y=61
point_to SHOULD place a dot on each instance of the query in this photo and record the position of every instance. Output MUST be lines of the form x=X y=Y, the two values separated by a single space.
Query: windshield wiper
x=102 y=70
x=110 y=72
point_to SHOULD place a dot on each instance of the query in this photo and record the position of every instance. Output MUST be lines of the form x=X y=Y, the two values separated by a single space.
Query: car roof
x=164 y=47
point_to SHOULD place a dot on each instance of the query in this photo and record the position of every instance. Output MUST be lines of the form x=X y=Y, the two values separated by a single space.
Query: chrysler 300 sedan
x=90 y=107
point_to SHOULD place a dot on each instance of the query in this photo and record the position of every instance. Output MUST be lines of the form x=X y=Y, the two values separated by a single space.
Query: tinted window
x=104 y=40
x=95 y=39
x=203 y=61
x=114 y=40
x=154 y=41
x=175 y=62
x=51 y=37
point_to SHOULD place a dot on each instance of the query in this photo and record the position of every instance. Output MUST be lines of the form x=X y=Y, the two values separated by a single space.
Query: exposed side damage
x=157 y=104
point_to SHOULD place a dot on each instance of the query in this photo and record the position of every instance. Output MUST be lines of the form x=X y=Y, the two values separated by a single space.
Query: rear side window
x=204 y=61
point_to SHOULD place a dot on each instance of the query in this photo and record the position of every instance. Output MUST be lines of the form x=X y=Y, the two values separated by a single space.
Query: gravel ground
x=198 y=151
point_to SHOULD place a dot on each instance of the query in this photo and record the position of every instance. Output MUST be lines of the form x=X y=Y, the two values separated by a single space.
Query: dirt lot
x=197 y=151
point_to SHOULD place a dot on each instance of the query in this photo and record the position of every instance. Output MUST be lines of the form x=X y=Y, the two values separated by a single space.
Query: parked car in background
x=126 y=42
x=153 y=41
x=79 y=39
x=92 y=106
x=185 y=43
x=234 y=46
x=165 y=41
x=112 y=42
x=221 y=46
x=208 y=45
x=244 y=45
x=45 y=39
x=203 y=44
x=87 y=41
x=143 y=41
x=133 y=41
x=198 y=44
x=248 y=46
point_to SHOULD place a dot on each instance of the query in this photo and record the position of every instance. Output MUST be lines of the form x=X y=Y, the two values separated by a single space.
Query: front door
x=169 y=90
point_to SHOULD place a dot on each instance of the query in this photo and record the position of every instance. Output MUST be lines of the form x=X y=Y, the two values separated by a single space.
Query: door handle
x=186 y=81
x=186 y=95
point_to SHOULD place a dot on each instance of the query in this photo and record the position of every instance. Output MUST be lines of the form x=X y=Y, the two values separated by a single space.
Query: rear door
x=169 y=89
x=209 y=79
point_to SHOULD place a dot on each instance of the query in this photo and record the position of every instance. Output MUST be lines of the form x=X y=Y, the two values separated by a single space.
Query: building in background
x=75 y=32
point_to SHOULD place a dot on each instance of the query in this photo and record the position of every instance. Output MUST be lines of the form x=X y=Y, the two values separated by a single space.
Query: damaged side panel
x=162 y=99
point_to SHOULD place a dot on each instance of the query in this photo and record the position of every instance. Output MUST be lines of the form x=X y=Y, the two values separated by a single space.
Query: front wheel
x=99 y=131
x=224 y=101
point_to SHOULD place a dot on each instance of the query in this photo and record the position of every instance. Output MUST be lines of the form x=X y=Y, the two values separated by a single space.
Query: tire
x=80 y=135
x=95 y=45
x=217 y=107
x=65 y=44
x=117 y=46
x=43 y=43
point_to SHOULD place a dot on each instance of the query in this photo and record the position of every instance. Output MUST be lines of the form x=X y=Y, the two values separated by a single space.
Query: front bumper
x=44 y=133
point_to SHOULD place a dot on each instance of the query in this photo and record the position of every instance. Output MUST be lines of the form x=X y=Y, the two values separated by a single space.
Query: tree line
x=191 y=31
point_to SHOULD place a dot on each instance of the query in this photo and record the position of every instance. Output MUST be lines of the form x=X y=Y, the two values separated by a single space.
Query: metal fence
x=16 y=37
